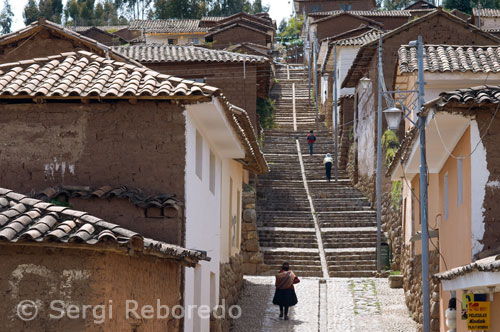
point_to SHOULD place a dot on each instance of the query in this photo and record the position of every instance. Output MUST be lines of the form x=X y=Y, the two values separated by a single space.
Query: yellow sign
x=478 y=316
x=466 y=298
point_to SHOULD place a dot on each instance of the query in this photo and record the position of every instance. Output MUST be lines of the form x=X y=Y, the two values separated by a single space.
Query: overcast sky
x=279 y=10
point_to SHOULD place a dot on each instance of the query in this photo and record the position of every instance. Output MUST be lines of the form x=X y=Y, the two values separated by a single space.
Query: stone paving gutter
x=352 y=305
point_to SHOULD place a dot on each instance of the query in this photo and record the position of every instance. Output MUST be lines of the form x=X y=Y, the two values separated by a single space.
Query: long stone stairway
x=321 y=228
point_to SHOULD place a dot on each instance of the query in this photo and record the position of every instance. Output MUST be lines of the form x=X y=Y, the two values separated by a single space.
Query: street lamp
x=393 y=118
x=364 y=82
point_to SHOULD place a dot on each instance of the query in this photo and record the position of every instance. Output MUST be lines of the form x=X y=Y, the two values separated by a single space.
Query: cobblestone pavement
x=353 y=304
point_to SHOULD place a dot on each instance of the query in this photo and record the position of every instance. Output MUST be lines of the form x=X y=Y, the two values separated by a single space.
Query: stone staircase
x=285 y=222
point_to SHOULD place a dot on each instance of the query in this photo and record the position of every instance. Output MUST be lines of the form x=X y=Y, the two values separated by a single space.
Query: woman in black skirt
x=285 y=293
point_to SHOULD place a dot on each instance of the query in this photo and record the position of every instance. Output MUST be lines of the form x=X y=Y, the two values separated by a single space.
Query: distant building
x=312 y=6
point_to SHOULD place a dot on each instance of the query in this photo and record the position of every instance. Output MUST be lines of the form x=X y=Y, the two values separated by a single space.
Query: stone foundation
x=231 y=282
x=391 y=224
x=253 y=259
x=411 y=267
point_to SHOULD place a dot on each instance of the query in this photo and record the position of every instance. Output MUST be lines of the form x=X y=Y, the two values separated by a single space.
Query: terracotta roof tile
x=358 y=40
x=451 y=58
x=488 y=264
x=172 y=53
x=371 y=13
x=53 y=225
x=167 y=26
x=85 y=74
x=486 y=12
x=106 y=28
x=135 y=196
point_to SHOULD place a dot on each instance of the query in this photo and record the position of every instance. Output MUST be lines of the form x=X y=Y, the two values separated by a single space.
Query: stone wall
x=253 y=259
x=231 y=282
x=392 y=225
x=412 y=284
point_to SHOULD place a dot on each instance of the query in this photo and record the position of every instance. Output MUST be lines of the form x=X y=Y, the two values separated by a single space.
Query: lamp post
x=393 y=118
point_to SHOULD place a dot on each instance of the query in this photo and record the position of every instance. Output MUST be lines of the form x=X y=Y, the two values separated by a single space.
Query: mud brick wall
x=338 y=25
x=121 y=211
x=227 y=77
x=335 y=5
x=84 y=277
x=110 y=143
x=238 y=35
x=491 y=237
x=43 y=44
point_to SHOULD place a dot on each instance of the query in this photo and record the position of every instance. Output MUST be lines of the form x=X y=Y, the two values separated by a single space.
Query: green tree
x=177 y=9
x=52 y=10
x=31 y=12
x=397 y=4
x=291 y=30
x=6 y=17
x=88 y=12
x=467 y=5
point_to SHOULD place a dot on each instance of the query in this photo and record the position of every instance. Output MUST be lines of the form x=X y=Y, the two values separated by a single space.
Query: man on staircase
x=310 y=140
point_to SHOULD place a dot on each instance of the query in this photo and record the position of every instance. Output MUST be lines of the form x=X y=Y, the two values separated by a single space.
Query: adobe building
x=54 y=257
x=342 y=22
x=238 y=32
x=312 y=6
x=103 y=37
x=242 y=78
x=436 y=27
x=170 y=31
x=462 y=194
x=43 y=38
x=94 y=127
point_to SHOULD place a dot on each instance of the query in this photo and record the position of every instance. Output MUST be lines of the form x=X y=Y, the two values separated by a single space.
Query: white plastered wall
x=202 y=227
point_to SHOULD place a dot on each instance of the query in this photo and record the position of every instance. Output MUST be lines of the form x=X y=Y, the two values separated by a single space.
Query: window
x=315 y=8
x=172 y=41
x=345 y=7
x=199 y=155
x=445 y=198
x=212 y=172
x=199 y=80
x=213 y=286
x=460 y=182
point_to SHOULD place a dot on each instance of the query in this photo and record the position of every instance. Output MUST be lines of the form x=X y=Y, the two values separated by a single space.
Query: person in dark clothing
x=310 y=140
x=328 y=161
x=284 y=295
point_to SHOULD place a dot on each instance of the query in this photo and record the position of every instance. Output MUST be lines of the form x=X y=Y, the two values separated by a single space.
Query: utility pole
x=379 y=156
x=423 y=189
x=335 y=114
x=315 y=79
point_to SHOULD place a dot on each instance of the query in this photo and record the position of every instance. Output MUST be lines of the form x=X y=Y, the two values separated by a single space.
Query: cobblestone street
x=352 y=304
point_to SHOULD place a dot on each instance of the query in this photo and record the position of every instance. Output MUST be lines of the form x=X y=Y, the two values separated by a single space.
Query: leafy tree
x=467 y=5
x=397 y=4
x=6 y=17
x=177 y=9
x=292 y=28
x=51 y=9
x=87 y=12
x=136 y=9
x=31 y=12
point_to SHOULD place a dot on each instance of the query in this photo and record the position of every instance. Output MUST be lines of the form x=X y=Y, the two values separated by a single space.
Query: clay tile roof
x=212 y=18
x=486 y=12
x=167 y=26
x=135 y=196
x=359 y=40
x=488 y=264
x=475 y=95
x=368 y=13
x=342 y=13
x=451 y=58
x=41 y=23
x=26 y=220
x=241 y=23
x=83 y=74
x=106 y=28
x=174 y=53
x=461 y=98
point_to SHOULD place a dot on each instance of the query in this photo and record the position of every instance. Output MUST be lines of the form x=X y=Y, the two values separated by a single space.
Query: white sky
x=279 y=10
